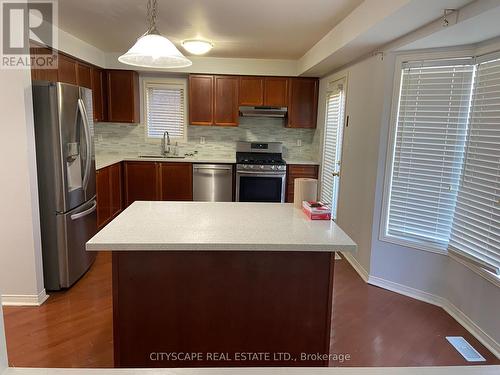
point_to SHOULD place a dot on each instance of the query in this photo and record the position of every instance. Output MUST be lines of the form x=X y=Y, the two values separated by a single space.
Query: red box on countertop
x=317 y=210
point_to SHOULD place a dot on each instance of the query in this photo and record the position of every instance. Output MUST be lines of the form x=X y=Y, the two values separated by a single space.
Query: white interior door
x=332 y=147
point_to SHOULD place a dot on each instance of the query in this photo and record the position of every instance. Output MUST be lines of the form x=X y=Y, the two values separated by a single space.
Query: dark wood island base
x=221 y=308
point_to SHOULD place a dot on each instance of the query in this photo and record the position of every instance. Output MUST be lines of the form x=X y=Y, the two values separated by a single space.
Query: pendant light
x=152 y=50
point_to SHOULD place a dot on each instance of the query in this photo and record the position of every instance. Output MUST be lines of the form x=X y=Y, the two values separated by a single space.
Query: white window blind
x=332 y=147
x=476 y=226
x=165 y=110
x=428 y=152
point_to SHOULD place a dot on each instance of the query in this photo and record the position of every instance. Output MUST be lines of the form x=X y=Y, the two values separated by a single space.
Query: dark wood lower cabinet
x=224 y=308
x=103 y=197
x=141 y=182
x=109 y=193
x=298 y=171
x=176 y=181
x=116 y=183
x=154 y=181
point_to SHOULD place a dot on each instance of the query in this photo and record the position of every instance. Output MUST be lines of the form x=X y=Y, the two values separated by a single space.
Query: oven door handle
x=262 y=173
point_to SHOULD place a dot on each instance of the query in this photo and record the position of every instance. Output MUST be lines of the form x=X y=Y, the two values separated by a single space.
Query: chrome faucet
x=165 y=145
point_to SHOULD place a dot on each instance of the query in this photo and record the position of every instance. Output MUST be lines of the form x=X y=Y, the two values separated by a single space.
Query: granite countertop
x=221 y=226
x=105 y=160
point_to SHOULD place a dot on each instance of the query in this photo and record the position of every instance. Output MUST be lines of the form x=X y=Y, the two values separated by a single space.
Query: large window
x=444 y=186
x=476 y=225
x=165 y=108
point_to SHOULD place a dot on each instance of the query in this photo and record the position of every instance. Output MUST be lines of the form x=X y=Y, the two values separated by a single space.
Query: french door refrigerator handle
x=84 y=213
x=88 y=141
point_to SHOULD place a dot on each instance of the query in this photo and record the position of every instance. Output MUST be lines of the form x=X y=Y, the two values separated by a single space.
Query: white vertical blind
x=476 y=226
x=165 y=110
x=332 y=147
x=428 y=152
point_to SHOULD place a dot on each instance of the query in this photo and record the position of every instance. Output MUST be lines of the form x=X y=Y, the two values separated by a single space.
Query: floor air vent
x=466 y=349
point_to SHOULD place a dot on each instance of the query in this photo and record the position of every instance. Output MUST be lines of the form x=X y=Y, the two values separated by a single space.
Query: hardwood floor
x=382 y=328
x=374 y=326
x=72 y=329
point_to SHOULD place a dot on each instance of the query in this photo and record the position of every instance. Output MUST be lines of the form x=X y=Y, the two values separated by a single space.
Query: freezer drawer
x=74 y=229
x=212 y=182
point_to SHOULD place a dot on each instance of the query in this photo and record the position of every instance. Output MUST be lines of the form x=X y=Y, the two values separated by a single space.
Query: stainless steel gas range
x=260 y=172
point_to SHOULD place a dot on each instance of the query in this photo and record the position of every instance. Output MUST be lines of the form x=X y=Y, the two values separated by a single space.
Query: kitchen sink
x=161 y=157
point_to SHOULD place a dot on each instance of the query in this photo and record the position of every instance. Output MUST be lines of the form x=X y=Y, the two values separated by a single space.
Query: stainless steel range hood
x=263 y=111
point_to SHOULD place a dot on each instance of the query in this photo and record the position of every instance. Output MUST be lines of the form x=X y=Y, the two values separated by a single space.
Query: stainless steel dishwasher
x=212 y=182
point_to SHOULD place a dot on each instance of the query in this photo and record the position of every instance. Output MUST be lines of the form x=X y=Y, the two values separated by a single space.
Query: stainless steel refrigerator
x=66 y=179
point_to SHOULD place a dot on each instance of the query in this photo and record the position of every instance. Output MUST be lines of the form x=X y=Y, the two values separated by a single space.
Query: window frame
x=164 y=82
x=389 y=158
x=390 y=154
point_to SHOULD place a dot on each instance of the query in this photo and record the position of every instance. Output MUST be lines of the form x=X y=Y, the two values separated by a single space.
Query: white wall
x=3 y=343
x=21 y=276
x=360 y=152
x=436 y=278
x=219 y=65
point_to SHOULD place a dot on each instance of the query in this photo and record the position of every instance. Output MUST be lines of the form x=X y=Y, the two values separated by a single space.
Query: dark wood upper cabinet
x=276 y=91
x=201 y=99
x=99 y=94
x=302 y=103
x=123 y=96
x=298 y=171
x=84 y=75
x=42 y=73
x=141 y=182
x=251 y=91
x=213 y=100
x=267 y=91
x=226 y=101
x=67 y=69
x=176 y=181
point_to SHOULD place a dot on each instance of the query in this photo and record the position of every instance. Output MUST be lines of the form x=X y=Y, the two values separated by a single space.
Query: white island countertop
x=185 y=226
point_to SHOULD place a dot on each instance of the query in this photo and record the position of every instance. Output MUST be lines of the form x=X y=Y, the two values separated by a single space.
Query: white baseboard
x=24 y=299
x=446 y=305
x=406 y=291
x=473 y=328
x=357 y=266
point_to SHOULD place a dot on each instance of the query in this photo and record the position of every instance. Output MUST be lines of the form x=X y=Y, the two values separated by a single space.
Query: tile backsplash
x=220 y=142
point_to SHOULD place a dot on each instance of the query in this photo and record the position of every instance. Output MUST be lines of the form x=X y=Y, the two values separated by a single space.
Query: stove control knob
x=261 y=167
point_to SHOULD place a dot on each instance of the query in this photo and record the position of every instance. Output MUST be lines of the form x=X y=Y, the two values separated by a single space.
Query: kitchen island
x=221 y=284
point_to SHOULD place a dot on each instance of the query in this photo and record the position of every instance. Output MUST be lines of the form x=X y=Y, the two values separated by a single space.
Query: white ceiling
x=267 y=29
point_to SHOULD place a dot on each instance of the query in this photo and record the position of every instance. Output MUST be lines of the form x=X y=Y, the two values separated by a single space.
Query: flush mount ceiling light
x=197 y=47
x=152 y=50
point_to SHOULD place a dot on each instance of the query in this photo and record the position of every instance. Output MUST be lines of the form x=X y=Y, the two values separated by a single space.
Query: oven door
x=252 y=186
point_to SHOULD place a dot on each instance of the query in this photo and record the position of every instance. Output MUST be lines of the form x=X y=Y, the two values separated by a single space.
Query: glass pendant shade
x=154 y=51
